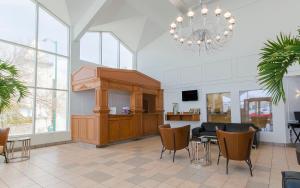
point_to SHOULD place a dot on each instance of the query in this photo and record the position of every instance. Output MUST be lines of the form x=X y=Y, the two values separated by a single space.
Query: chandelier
x=203 y=29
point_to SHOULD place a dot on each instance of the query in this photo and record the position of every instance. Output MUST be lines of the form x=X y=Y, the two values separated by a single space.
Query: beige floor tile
x=149 y=183
x=137 y=164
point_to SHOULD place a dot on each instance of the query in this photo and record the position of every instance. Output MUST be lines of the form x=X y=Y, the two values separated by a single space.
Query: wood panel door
x=114 y=130
x=150 y=124
x=82 y=129
x=92 y=130
x=75 y=129
x=125 y=129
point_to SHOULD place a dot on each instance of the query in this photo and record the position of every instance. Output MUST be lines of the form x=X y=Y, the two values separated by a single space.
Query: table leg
x=29 y=148
x=291 y=136
x=11 y=148
x=294 y=133
x=297 y=135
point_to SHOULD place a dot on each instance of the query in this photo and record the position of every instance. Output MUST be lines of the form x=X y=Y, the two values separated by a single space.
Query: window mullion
x=100 y=48
x=35 y=68
x=119 y=63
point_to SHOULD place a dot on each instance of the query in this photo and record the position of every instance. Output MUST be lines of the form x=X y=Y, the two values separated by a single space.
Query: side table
x=25 y=148
x=196 y=144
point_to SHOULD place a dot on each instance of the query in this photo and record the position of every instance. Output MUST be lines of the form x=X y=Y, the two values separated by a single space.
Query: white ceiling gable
x=128 y=30
x=77 y=8
x=59 y=8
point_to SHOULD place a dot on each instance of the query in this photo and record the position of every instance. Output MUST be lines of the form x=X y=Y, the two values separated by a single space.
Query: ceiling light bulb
x=204 y=11
x=199 y=42
x=226 y=33
x=227 y=15
x=173 y=25
x=230 y=27
x=189 y=42
x=218 y=11
x=231 y=21
x=208 y=41
x=218 y=37
x=181 y=40
x=190 y=14
x=176 y=36
x=172 y=31
x=179 y=19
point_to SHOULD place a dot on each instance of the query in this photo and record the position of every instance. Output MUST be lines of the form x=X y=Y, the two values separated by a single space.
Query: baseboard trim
x=45 y=145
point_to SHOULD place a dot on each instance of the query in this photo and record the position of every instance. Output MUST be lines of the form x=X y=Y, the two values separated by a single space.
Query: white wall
x=230 y=69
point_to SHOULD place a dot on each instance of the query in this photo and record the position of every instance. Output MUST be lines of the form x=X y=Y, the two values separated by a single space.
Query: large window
x=256 y=108
x=43 y=61
x=104 y=48
x=110 y=48
x=90 y=47
x=219 y=107
x=126 y=58
x=18 y=21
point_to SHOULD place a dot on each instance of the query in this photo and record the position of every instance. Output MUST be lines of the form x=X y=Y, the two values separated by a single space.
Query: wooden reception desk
x=102 y=128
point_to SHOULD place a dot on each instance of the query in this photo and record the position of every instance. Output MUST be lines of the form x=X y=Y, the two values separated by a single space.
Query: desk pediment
x=88 y=77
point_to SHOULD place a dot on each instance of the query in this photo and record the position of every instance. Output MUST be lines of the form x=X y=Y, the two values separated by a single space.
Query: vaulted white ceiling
x=135 y=22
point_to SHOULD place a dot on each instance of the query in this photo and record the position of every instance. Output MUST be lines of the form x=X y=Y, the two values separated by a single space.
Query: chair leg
x=5 y=156
x=189 y=153
x=219 y=158
x=249 y=163
x=162 y=151
x=174 y=156
x=227 y=161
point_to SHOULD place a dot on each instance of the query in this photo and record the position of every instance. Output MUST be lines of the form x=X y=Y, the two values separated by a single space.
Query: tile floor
x=137 y=164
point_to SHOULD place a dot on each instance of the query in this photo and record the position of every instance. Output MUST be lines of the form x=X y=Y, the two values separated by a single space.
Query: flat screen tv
x=191 y=95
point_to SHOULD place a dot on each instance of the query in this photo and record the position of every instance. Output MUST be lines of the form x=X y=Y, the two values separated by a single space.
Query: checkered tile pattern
x=137 y=164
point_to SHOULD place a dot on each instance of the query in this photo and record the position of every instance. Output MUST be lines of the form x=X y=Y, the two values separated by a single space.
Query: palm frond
x=10 y=86
x=276 y=57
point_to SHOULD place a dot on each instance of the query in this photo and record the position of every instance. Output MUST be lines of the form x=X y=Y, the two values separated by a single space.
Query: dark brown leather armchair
x=174 y=138
x=3 y=139
x=236 y=146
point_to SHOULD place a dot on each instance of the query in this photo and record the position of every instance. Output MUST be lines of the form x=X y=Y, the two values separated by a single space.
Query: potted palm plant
x=11 y=86
x=276 y=57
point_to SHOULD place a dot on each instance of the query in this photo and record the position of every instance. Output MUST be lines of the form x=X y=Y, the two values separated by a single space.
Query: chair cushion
x=208 y=133
x=210 y=127
x=196 y=131
x=237 y=127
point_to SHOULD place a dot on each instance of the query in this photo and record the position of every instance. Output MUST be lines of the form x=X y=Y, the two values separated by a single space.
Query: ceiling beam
x=87 y=19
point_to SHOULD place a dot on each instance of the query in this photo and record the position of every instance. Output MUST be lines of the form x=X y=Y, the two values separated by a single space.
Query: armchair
x=174 y=138
x=236 y=146
x=3 y=139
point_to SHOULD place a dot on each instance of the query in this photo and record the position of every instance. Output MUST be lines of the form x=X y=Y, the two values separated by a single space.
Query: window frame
x=214 y=93
x=36 y=52
x=120 y=42
x=271 y=105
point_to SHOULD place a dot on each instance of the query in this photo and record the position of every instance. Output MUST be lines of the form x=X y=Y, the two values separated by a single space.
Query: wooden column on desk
x=136 y=106
x=101 y=111
x=160 y=106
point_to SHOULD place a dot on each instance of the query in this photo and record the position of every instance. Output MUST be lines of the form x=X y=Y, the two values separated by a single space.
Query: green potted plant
x=11 y=87
x=276 y=57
